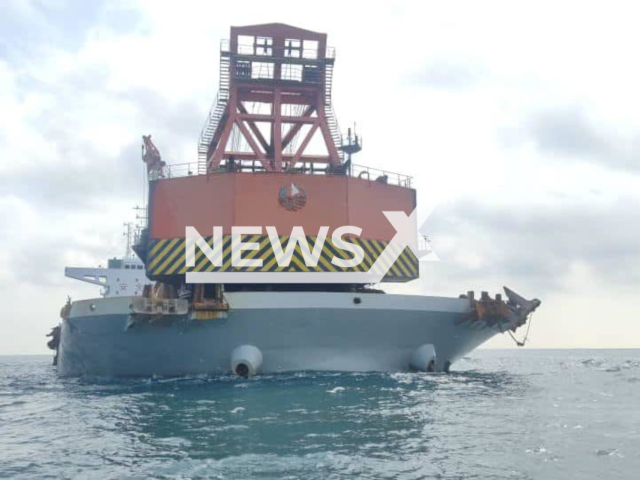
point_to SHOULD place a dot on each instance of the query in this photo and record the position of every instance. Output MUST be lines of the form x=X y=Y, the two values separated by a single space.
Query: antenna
x=128 y=234
x=353 y=145
x=141 y=216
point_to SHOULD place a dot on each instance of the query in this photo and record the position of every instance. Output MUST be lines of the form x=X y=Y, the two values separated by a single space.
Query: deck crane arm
x=151 y=156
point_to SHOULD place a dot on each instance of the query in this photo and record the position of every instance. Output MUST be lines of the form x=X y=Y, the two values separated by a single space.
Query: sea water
x=566 y=414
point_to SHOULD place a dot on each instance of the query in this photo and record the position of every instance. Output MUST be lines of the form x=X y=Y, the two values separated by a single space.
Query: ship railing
x=177 y=170
x=382 y=176
x=359 y=171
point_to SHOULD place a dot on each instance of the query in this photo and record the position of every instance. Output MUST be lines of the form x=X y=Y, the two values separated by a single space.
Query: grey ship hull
x=294 y=331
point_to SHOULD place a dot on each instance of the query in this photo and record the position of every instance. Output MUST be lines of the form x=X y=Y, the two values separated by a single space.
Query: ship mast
x=128 y=234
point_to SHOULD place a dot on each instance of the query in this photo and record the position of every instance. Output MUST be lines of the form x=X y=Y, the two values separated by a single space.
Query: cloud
x=70 y=167
x=538 y=246
x=571 y=133
x=83 y=179
x=27 y=28
x=455 y=73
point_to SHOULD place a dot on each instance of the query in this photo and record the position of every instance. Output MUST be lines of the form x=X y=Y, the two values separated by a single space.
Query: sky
x=520 y=117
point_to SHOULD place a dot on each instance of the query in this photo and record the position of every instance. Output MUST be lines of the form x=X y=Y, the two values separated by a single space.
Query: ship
x=123 y=276
x=270 y=253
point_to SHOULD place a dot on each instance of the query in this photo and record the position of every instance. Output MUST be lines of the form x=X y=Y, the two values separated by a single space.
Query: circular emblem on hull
x=292 y=197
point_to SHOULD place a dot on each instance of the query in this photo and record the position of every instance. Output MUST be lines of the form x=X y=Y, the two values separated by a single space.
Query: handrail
x=178 y=170
x=210 y=115
x=356 y=171
x=375 y=174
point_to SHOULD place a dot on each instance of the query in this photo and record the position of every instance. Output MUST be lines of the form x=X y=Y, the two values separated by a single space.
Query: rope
x=526 y=335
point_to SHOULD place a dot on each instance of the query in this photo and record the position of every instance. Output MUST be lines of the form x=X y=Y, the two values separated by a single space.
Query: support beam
x=267 y=97
x=286 y=157
x=303 y=145
x=276 y=131
x=254 y=128
x=272 y=118
x=254 y=146
x=296 y=128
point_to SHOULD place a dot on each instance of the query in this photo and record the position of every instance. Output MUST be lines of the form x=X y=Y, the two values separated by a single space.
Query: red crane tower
x=273 y=111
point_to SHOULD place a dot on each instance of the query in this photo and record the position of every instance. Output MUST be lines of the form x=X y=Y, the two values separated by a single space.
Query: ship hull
x=293 y=330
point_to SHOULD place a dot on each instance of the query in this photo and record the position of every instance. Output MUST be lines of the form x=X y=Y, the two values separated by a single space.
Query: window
x=243 y=69
x=310 y=49
x=264 y=46
x=250 y=45
x=311 y=74
x=261 y=70
x=291 y=72
x=292 y=48
x=246 y=44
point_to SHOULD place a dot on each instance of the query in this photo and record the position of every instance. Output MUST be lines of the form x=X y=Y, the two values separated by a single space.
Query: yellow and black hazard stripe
x=168 y=257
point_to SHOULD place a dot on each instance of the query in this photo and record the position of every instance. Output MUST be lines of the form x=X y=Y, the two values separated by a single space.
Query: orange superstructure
x=271 y=155
x=244 y=199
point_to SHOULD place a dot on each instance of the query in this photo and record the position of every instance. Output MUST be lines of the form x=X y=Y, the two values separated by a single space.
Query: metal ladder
x=332 y=120
x=215 y=114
